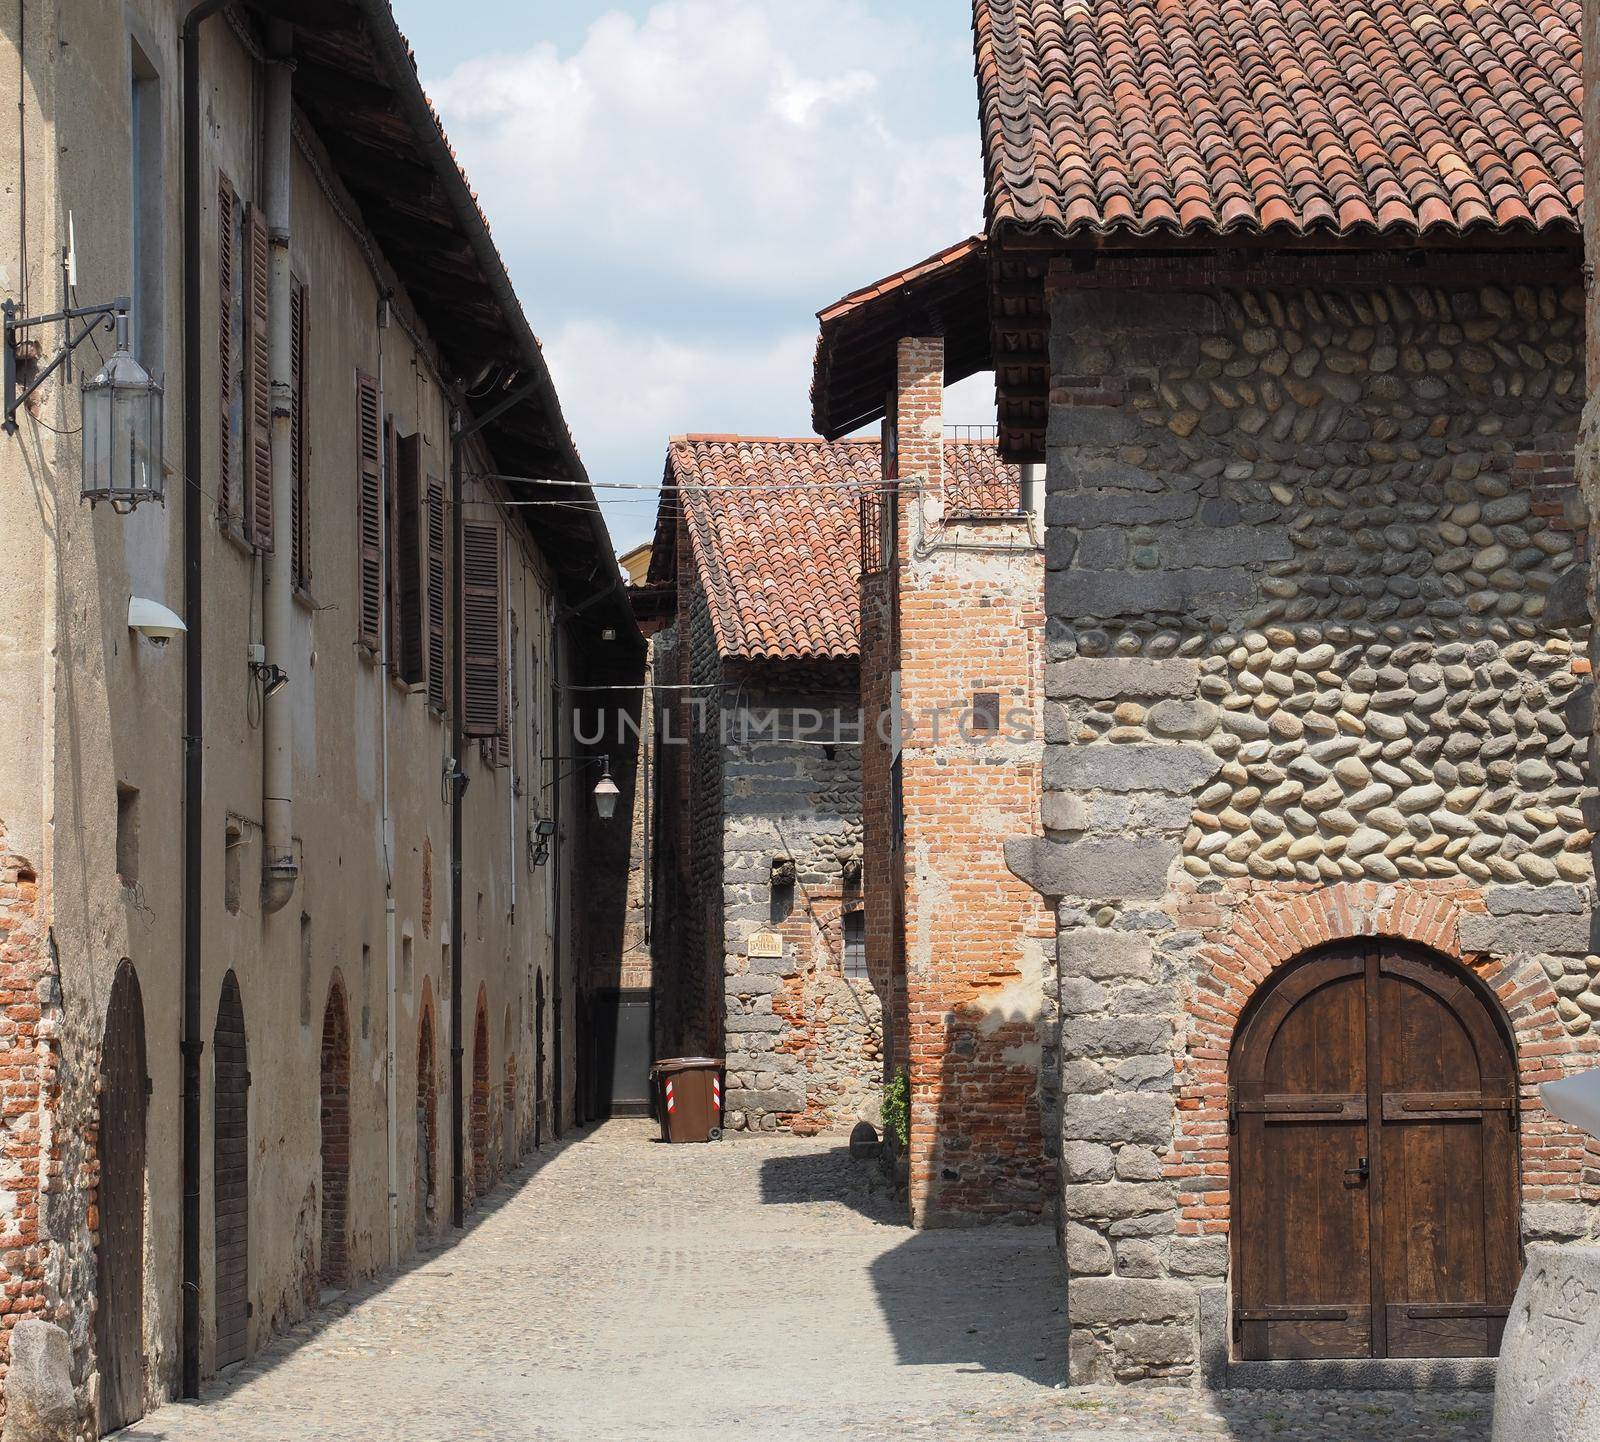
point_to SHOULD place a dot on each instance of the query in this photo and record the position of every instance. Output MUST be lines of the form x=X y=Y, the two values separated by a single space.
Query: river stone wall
x=1316 y=632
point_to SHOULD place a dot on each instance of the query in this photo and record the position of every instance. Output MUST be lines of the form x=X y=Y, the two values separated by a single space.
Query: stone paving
x=617 y=1289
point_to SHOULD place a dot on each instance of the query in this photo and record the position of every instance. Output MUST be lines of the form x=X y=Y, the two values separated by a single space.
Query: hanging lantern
x=122 y=425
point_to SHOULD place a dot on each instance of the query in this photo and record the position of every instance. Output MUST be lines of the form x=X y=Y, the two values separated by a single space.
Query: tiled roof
x=854 y=370
x=781 y=568
x=1414 y=117
x=776 y=530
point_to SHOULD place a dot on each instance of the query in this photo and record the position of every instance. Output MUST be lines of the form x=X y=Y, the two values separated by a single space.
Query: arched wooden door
x=230 y=1174
x=119 y=1307
x=1374 y=1167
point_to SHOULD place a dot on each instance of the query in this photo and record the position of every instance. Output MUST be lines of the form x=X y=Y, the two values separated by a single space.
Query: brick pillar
x=969 y=605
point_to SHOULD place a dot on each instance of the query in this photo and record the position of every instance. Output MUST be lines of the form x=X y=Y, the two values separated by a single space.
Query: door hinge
x=249 y=1309
x=149 y=1087
x=248 y=1080
x=1233 y=1108
x=1238 y=1327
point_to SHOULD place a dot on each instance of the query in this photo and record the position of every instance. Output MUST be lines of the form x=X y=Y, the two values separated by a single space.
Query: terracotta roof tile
x=782 y=567
x=1206 y=116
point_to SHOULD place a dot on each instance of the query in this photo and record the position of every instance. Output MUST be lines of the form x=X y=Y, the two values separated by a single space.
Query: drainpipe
x=193 y=699
x=558 y=861
x=279 y=869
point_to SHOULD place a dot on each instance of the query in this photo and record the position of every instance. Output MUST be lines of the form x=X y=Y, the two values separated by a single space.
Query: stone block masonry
x=804 y=1041
x=1311 y=677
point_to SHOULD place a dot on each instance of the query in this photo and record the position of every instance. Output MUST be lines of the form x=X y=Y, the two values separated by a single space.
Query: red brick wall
x=977 y=940
x=30 y=1086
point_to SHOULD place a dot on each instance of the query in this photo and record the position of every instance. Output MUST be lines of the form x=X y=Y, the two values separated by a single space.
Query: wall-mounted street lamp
x=122 y=406
x=606 y=794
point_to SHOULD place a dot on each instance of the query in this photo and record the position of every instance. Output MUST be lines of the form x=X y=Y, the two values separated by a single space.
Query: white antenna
x=72 y=254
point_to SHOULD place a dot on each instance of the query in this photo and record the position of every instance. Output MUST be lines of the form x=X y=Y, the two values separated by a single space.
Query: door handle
x=1360 y=1171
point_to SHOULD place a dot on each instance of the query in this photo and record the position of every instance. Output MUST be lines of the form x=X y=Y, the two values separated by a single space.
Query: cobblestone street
x=619 y=1289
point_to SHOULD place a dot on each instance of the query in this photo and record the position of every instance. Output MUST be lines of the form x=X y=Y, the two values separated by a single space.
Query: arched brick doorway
x=119 y=1303
x=508 y=1129
x=335 y=1091
x=481 y=1175
x=230 y=1174
x=538 y=1059
x=1375 y=1186
x=427 y=1122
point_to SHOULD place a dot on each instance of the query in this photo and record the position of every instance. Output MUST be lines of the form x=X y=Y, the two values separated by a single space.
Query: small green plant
x=897 y=1108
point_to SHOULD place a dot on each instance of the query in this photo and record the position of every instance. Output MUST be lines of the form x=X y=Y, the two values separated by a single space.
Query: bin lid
x=688 y=1063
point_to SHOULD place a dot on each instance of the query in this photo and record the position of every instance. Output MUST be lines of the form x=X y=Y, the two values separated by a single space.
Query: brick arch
x=427 y=1115
x=1270 y=929
x=508 y=1138
x=335 y=1136
x=481 y=1175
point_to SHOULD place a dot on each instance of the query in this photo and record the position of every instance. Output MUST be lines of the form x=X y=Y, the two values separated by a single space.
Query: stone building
x=758 y=939
x=255 y=1043
x=1303 y=356
x=952 y=592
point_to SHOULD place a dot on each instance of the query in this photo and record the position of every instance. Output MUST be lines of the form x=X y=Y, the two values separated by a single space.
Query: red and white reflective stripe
x=716 y=1091
x=671 y=1103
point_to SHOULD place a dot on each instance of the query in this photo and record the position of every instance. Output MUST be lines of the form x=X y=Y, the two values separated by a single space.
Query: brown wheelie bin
x=688 y=1092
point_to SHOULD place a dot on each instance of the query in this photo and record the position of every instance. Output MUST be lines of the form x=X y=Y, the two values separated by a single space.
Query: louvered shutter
x=258 y=384
x=369 y=502
x=408 y=484
x=226 y=205
x=485 y=695
x=438 y=666
x=300 y=504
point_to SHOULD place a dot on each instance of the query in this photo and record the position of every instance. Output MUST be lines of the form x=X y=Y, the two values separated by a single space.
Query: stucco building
x=257 y=1041
x=1303 y=355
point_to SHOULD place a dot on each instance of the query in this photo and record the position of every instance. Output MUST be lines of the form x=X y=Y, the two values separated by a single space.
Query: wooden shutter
x=485 y=695
x=369 y=502
x=438 y=666
x=226 y=206
x=391 y=574
x=258 y=384
x=408 y=485
x=299 y=440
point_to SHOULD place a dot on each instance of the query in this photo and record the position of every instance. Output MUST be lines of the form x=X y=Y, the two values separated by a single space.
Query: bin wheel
x=714 y=1135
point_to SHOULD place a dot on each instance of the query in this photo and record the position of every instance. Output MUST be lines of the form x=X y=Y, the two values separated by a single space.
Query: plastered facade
x=94 y=708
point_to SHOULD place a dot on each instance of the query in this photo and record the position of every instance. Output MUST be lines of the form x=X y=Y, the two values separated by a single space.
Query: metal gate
x=231 y=1174
x=119 y=1313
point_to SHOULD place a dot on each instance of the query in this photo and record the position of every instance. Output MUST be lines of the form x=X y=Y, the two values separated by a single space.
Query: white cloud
x=745 y=148
x=678 y=196
x=626 y=392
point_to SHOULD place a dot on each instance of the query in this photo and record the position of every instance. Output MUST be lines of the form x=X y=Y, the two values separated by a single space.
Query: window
x=855 y=945
x=369 y=508
x=438 y=673
x=406 y=560
x=405 y=960
x=257 y=383
x=299 y=436
x=127 y=834
x=230 y=328
x=244 y=486
x=483 y=632
x=148 y=226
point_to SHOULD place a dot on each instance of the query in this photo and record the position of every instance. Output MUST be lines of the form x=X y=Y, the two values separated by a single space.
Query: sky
x=678 y=187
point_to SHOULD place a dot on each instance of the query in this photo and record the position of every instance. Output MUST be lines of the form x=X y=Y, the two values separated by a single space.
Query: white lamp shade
x=605 y=798
x=1576 y=1100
